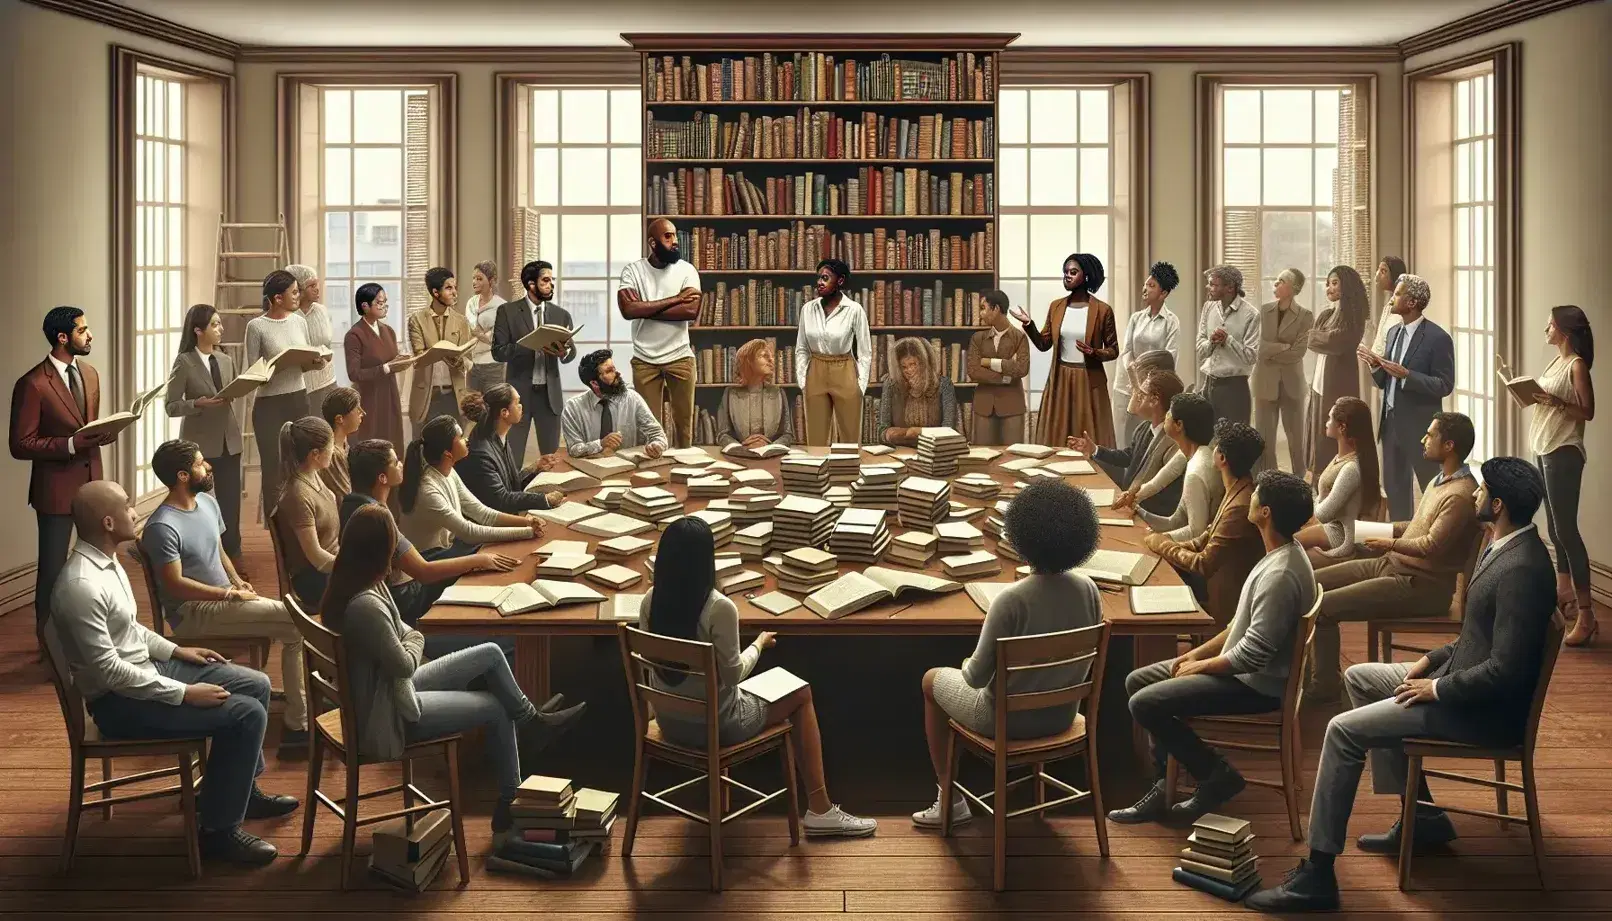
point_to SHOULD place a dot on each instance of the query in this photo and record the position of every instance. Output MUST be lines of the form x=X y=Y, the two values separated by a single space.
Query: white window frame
x=161 y=241
x=1474 y=327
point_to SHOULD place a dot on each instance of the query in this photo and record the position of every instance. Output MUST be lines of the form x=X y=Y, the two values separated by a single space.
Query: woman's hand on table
x=766 y=640
x=495 y=562
x=1125 y=500
x=536 y=525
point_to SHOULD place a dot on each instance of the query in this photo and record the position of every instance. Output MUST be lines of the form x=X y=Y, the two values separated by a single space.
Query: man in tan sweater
x=1416 y=571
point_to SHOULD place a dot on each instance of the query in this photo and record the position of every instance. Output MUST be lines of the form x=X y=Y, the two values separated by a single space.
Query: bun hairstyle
x=435 y=439
x=275 y=284
x=483 y=407
x=1165 y=274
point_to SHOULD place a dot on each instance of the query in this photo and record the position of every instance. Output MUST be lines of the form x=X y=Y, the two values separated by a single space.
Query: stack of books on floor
x=805 y=570
x=843 y=466
x=1219 y=858
x=410 y=858
x=804 y=474
x=802 y=521
x=750 y=504
x=721 y=525
x=914 y=548
x=977 y=485
x=709 y=487
x=596 y=815
x=544 y=840
x=839 y=496
x=622 y=548
x=938 y=451
x=650 y=503
x=923 y=502
x=860 y=535
x=959 y=537
x=753 y=540
x=875 y=486
x=971 y=565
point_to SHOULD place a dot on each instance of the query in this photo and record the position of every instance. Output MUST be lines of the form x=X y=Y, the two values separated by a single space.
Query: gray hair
x=302 y=273
x=1228 y=275
x=1416 y=286
x=1293 y=277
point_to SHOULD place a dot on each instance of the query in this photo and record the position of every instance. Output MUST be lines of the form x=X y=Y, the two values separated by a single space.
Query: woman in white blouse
x=1557 y=439
x=1348 y=487
x=833 y=358
x=481 y=310
x=1152 y=329
x=438 y=509
x=321 y=380
x=1190 y=423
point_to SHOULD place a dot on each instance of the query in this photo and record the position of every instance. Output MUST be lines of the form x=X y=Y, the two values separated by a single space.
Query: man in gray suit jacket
x=535 y=376
x=1477 y=690
x=1150 y=449
x=1415 y=376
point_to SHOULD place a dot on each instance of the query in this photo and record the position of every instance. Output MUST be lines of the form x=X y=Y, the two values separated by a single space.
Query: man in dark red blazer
x=49 y=404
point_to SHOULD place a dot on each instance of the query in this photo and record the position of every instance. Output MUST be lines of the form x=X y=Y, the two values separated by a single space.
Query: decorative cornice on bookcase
x=119 y=16
x=1482 y=22
x=740 y=42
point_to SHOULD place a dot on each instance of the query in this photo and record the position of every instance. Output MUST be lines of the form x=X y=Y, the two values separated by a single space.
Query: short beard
x=666 y=256
x=540 y=298
x=205 y=484
x=1487 y=514
x=73 y=349
x=611 y=390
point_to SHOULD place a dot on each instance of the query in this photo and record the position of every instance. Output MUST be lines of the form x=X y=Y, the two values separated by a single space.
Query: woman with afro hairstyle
x=1081 y=327
x=1154 y=328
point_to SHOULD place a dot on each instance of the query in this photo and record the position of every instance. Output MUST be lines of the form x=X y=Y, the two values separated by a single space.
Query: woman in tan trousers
x=833 y=358
x=1081 y=328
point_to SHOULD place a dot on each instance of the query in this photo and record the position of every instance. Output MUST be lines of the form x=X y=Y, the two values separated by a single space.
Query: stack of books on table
x=971 y=565
x=962 y=511
x=611 y=524
x=690 y=457
x=839 y=496
x=923 y=502
x=646 y=478
x=1219 y=858
x=750 y=504
x=410 y=858
x=959 y=537
x=721 y=525
x=845 y=447
x=608 y=498
x=684 y=474
x=843 y=466
x=938 y=451
x=651 y=503
x=860 y=535
x=752 y=541
x=603 y=466
x=804 y=474
x=977 y=485
x=709 y=487
x=802 y=521
x=1005 y=548
x=622 y=548
x=914 y=548
x=805 y=570
x=1029 y=450
x=875 y=486
x=753 y=478
x=566 y=565
x=542 y=841
x=561 y=480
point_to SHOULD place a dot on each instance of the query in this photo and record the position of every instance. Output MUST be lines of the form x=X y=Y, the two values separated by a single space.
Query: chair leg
x=1407 y=819
x=75 y=808
x=349 y=819
x=999 y=819
x=1040 y=785
x=714 y=797
x=1172 y=775
x=1373 y=650
x=727 y=799
x=187 y=802
x=1536 y=831
x=106 y=792
x=1387 y=646
x=456 y=811
x=310 y=805
x=792 y=779
x=1099 y=814
x=948 y=783
x=1501 y=797
x=634 y=801
x=1290 y=784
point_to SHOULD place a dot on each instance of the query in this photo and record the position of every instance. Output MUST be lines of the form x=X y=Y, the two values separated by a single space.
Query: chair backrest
x=1293 y=691
x=61 y=676
x=1547 y=665
x=643 y=652
x=138 y=551
x=324 y=668
x=1027 y=655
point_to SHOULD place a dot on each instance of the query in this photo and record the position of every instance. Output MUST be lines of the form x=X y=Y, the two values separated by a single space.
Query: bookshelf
x=771 y=152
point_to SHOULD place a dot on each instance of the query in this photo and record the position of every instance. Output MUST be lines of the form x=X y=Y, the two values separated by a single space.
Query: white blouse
x=1072 y=331
x=1201 y=495
x=1145 y=332
x=1552 y=427
x=320 y=335
x=481 y=321
x=845 y=332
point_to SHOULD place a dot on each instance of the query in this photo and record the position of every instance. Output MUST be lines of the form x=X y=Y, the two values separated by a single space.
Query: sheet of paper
x=1369 y=529
x=1162 y=599
x=773 y=685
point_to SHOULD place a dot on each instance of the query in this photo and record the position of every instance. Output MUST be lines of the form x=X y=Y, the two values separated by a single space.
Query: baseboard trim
x=1601 y=582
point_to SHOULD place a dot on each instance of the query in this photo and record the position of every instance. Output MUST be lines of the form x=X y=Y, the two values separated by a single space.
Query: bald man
x=661 y=296
x=138 y=685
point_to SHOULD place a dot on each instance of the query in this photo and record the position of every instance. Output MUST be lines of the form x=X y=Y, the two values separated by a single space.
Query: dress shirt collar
x=374 y=326
x=537 y=306
x=1463 y=470
x=1157 y=428
x=1499 y=542
x=94 y=555
x=62 y=366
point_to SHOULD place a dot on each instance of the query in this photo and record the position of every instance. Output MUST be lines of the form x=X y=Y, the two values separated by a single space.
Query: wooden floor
x=869 y=705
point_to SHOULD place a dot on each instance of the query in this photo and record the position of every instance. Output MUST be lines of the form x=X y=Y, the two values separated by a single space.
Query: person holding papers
x=398 y=698
x=439 y=384
x=489 y=471
x=534 y=375
x=1190 y=425
x=685 y=605
x=660 y=294
x=201 y=370
x=1566 y=400
x=439 y=513
x=608 y=416
x=1347 y=486
x=1150 y=450
x=49 y=404
x=916 y=395
x=1242 y=670
x=833 y=358
x=1415 y=372
x=373 y=363
x=755 y=411
x=1054 y=527
x=285 y=397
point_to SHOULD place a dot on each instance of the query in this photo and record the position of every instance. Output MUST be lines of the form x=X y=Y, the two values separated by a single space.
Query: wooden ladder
x=235 y=294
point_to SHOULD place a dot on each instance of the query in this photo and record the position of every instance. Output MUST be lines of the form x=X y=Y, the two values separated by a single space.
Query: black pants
x=227 y=490
x=1404 y=467
x=55 y=540
x=539 y=416
x=1162 y=705
x=1230 y=397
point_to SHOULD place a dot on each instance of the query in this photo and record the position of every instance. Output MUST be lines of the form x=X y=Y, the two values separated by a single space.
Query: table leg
x=532 y=667
x=1148 y=649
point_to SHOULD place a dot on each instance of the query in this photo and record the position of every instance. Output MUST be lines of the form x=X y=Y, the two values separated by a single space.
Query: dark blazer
x=1125 y=465
x=1493 y=666
x=215 y=429
x=490 y=473
x=514 y=320
x=44 y=417
x=1430 y=359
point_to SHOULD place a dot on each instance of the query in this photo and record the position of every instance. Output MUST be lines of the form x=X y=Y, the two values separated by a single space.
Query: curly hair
x=1091 y=270
x=1417 y=289
x=1354 y=304
x=928 y=374
x=1165 y=274
x=747 y=362
x=1052 y=525
x=1240 y=444
x=1288 y=498
x=1228 y=275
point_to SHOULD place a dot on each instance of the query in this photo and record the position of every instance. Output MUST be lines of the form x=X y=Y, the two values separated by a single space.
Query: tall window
x=1474 y=329
x=160 y=258
x=1063 y=187
x=582 y=174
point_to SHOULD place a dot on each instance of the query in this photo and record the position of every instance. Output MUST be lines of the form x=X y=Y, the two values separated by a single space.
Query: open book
x=443 y=351
x=521 y=597
x=247 y=381
x=771 y=450
x=856 y=590
x=1118 y=566
x=300 y=355
x=1162 y=599
x=548 y=334
x=562 y=480
x=117 y=422
x=1523 y=389
x=983 y=594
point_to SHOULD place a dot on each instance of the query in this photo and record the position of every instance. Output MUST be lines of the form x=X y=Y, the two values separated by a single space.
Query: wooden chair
x=257 y=647
x=190 y=753
x=1418 y=749
x=1028 y=655
x=282 y=574
x=1289 y=745
x=641 y=652
x=325 y=671
x=1380 y=645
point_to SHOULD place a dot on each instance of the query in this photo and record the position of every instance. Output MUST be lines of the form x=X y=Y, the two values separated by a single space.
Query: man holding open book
x=534 y=369
x=441 y=337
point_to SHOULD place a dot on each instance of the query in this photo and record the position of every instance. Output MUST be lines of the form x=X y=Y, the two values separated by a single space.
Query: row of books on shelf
x=888 y=303
x=874 y=191
x=716 y=364
x=812 y=76
x=800 y=246
x=820 y=136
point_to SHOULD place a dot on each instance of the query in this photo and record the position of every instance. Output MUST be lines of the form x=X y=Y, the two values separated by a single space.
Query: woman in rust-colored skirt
x=1081 y=328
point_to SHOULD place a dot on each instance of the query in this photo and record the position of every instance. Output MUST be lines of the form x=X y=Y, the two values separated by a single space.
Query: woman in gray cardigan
x=201 y=369
x=397 y=699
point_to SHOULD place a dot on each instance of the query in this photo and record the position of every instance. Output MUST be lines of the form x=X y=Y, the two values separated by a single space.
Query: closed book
x=414 y=875
x=1229 y=892
x=1246 y=869
x=1215 y=860
x=1220 y=849
x=1223 y=829
x=395 y=844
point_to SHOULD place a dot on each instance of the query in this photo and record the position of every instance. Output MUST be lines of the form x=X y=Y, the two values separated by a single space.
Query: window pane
x=159 y=171
x=1013 y=244
x=1326 y=115
x=338 y=176
x=1052 y=238
x=1053 y=116
x=626 y=117
x=1284 y=243
x=1489 y=235
x=176 y=235
x=1240 y=176
x=549 y=238
x=1325 y=258
x=1463 y=236
x=1016 y=291
x=1052 y=175
x=176 y=111
x=378 y=116
x=626 y=176
x=1012 y=110
x=1239 y=116
x=545 y=176
x=1463 y=109
x=1094 y=116
x=546 y=116
x=1042 y=294
x=338 y=246
x=1463 y=173
x=583 y=116
x=338 y=116
x=176 y=173
x=1013 y=180
x=1287 y=176
x=585 y=299
x=627 y=235
x=1094 y=176
x=583 y=169
x=1287 y=116
x=378 y=176
x=1488 y=170
x=584 y=249
x=1326 y=168
x=1463 y=298
x=378 y=245
x=1095 y=238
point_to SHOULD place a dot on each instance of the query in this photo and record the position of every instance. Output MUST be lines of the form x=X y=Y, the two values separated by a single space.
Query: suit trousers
x=1230 y=397
x=485 y=375
x=1162 y=705
x=55 y=540
x=998 y=430
x=1405 y=471
x=538 y=416
x=832 y=396
x=673 y=382
x=256 y=617
x=1364 y=590
x=227 y=490
x=1289 y=406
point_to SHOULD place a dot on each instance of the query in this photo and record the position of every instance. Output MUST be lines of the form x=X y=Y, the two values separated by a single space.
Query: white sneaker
x=837 y=823
x=930 y=818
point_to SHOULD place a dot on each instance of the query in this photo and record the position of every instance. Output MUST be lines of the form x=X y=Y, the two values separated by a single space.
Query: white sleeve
x=864 y=349
x=802 y=351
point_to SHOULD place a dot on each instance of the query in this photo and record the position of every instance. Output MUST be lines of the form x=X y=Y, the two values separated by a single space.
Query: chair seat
x=761 y=742
x=330 y=723
x=1443 y=748
x=126 y=748
x=1273 y=720
x=1016 y=748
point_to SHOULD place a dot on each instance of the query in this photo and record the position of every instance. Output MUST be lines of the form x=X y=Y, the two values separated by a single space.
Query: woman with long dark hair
x=438 y=511
x=285 y=397
x=373 y=364
x=1081 y=326
x=685 y=605
x=344 y=411
x=1334 y=338
x=1349 y=487
x=201 y=370
x=398 y=698
x=1557 y=439
x=489 y=471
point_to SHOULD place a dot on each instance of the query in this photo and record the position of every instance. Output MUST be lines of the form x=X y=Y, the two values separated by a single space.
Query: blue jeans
x=415 y=598
x=234 y=730
x=446 y=707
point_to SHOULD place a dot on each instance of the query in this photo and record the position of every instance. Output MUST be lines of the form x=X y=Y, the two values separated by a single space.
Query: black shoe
x=293 y=740
x=265 y=806
x=1431 y=831
x=1306 y=887
x=543 y=728
x=1211 y=794
x=553 y=705
x=1150 y=808
x=238 y=846
x=502 y=819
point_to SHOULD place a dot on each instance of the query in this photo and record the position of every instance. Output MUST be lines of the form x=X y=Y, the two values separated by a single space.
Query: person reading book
x=1242 y=670
x=608 y=416
x=372 y=360
x=340 y=408
x=202 y=369
x=438 y=510
x=285 y=397
x=1054 y=527
x=916 y=395
x=535 y=374
x=685 y=605
x=1150 y=449
x=439 y=384
x=1477 y=690
x=1565 y=401
x=755 y=411
x=1347 y=488
x=398 y=698
x=490 y=471
x=1190 y=425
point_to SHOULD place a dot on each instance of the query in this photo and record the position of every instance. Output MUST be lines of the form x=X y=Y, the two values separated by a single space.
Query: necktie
x=77 y=387
x=607 y=422
x=218 y=378
x=1399 y=352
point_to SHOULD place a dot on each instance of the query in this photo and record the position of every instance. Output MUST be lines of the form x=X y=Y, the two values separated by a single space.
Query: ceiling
x=1080 y=23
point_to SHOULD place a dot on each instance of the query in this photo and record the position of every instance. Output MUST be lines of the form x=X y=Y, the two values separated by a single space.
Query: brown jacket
x=999 y=393
x=1337 y=337
x=1100 y=335
x=1224 y=554
x=44 y=417
x=423 y=335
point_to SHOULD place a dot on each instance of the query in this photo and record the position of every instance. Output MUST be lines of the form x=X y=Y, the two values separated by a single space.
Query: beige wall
x=55 y=209
x=1566 y=124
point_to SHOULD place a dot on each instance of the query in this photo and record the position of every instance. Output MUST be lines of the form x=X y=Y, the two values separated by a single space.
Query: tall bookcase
x=771 y=152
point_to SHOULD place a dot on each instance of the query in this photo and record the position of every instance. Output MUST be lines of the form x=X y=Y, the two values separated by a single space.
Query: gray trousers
x=539 y=415
x=1289 y=408
x=1376 y=726
x=1563 y=470
x=1230 y=397
x=483 y=376
x=269 y=414
x=1162 y=705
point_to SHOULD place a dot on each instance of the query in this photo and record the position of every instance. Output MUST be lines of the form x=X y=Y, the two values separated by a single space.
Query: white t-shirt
x=660 y=342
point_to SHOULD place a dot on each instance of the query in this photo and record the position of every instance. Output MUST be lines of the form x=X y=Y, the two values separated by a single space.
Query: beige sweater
x=1442 y=538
